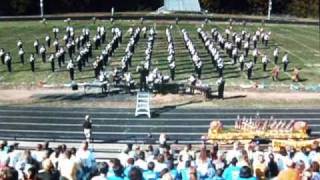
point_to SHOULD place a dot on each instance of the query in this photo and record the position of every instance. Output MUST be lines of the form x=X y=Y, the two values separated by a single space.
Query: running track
x=120 y=125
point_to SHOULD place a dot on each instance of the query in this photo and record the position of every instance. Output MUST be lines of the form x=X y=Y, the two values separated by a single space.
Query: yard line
x=297 y=42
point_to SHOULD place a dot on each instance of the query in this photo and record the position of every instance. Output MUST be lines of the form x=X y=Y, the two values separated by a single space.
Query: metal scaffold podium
x=143 y=104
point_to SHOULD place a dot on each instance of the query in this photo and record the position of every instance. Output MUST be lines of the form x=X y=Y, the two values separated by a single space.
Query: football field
x=300 y=41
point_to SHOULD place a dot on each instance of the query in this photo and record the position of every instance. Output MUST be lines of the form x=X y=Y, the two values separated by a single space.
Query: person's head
x=189 y=146
x=135 y=174
x=261 y=158
x=141 y=155
x=271 y=157
x=130 y=161
x=290 y=163
x=245 y=172
x=300 y=166
x=31 y=173
x=39 y=147
x=103 y=168
x=151 y=166
x=219 y=172
x=47 y=165
x=117 y=167
x=234 y=161
x=68 y=154
x=85 y=145
x=87 y=118
x=315 y=166
x=283 y=151
x=163 y=172
x=160 y=158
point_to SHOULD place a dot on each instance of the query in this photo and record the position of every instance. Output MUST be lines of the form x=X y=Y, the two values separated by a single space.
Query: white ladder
x=143 y=104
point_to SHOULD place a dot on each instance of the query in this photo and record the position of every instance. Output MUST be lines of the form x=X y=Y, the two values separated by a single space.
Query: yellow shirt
x=289 y=174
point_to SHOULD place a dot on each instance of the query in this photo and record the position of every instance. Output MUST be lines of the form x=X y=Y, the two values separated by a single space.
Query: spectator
x=160 y=164
x=116 y=173
x=218 y=175
x=290 y=173
x=173 y=171
x=141 y=163
x=135 y=174
x=232 y=171
x=260 y=167
x=68 y=167
x=246 y=174
x=315 y=171
x=272 y=168
x=48 y=172
x=130 y=164
x=150 y=174
x=103 y=171
x=86 y=158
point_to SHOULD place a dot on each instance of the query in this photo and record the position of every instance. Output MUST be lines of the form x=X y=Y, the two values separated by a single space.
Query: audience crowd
x=165 y=161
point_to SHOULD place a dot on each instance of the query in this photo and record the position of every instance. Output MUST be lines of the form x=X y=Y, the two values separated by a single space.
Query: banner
x=276 y=144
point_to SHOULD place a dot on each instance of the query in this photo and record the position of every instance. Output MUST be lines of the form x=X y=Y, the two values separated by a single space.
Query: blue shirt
x=185 y=174
x=175 y=174
x=149 y=175
x=252 y=178
x=231 y=173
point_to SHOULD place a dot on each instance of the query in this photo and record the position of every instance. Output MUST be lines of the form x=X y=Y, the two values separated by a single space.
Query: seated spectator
x=135 y=174
x=150 y=174
x=272 y=168
x=232 y=171
x=103 y=171
x=246 y=174
x=173 y=171
x=290 y=173
x=130 y=165
x=116 y=172
x=218 y=175
x=68 y=167
x=48 y=172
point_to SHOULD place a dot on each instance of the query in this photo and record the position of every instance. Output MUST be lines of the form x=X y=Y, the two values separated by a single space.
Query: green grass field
x=301 y=42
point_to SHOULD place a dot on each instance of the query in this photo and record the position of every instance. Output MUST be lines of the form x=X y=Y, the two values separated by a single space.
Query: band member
x=285 y=61
x=48 y=41
x=220 y=83
x=36 y=46
x=19 y=44
x=198 y=67
x=43 y=51
x=56 y=45
x=249 y=69
x=8 y=61
x=21 y=55
x=2 y=55
x=265 y=62
x=55 y=31
x=51 y=60
x=70 y=67
x=172 y=67
x=255 y=54
x=246 y=48
x=276 y=55
x=79 y=63
x=241 y=61
x=235 y=55
x=32 y=62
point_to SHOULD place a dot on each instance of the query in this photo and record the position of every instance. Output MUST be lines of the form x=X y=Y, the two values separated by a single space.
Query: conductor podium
x=143 y=104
